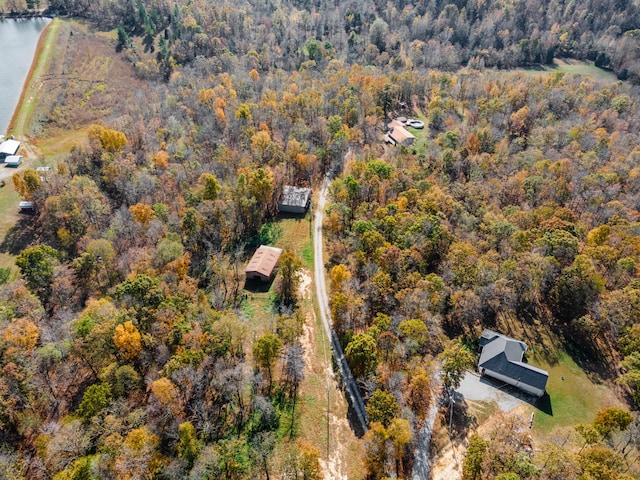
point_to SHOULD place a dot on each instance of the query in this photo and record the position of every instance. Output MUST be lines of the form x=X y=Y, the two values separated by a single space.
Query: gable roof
x=398 y=132
x=503 y=355
x=295 y=196
x=264 y=260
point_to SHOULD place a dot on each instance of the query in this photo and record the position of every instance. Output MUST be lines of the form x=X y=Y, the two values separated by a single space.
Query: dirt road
x=323 y=301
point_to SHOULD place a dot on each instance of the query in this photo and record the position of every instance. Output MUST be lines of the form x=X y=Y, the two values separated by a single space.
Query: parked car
x=419 y=124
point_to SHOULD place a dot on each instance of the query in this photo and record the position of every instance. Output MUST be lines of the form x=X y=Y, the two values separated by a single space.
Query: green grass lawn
x=9 y=200
x=584 y=68
x=576 y=399
x=573 y=67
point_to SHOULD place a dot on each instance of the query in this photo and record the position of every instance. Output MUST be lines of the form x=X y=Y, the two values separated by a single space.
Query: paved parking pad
x=478 y=389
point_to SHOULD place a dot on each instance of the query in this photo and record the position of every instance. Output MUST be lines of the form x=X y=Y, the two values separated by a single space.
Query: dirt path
x=323 y=302
x=335 y=464
x=422 y=464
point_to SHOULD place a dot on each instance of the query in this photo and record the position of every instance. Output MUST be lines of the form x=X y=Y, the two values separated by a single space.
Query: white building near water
x=13 y=160
x=9 y=147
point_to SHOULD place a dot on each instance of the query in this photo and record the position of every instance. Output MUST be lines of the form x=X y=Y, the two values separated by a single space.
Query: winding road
x=355 y=399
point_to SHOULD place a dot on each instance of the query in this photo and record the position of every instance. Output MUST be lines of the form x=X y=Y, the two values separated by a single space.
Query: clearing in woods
x=322 y=408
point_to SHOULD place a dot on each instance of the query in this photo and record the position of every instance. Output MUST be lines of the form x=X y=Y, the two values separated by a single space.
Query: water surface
x=18 y=41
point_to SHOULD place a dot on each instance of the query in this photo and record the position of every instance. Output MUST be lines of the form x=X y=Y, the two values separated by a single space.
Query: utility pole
x=452 y=403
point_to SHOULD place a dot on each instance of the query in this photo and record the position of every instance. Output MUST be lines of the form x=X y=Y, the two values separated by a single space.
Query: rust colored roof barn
x=263 y=263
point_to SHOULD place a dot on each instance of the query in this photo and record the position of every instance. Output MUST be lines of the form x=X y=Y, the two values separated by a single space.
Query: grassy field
x=575 y=398
x=8 y=206
x=322 y=411
x=59 y=145
x=572 y=67
x=576 y=67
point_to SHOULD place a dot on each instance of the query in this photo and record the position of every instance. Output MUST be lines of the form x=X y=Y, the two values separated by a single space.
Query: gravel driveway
x=476 y=388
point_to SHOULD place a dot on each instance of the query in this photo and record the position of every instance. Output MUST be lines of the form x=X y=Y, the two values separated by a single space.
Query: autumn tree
x=36 y=265
x=361 y=354
x=382 y=407
x=139 y=457
x=289 y=266
x=128 y=341
x=472 y=466
x=266 y=352
x=95 y=399
x=455 y=359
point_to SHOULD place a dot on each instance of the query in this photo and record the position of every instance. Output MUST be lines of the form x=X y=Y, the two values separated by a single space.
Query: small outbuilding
x=294 y=199
x=26 y=207
x=262 y=265
x=9 y=147
x=397 y=134
x=501 y=358
x=13 y=161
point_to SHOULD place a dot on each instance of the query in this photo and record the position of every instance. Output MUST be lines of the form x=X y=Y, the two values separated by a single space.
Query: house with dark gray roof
x=294 y=199
x=501 y=358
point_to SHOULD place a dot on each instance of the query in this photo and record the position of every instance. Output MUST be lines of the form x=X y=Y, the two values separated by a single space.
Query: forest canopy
x=399 y=34
x=126 y=349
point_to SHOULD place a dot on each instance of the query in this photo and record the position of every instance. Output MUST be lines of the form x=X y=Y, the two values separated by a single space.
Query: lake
x=18 y=41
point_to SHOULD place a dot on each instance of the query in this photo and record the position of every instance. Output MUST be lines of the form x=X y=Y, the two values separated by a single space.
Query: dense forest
x=400 y=34
x=124 y=352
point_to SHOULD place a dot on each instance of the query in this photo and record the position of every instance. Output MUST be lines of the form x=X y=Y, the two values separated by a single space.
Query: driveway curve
x=355 y=399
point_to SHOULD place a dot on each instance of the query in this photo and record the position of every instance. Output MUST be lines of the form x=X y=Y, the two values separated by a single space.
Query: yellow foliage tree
x=128 y=340
x=339 y=274
x=139 y=457
x=27 y=183
x=161 y=159
x=310 y=461
x=142 y=212
x=20 y=336
x=110 y=140
x=205 y=96
x=167 y=394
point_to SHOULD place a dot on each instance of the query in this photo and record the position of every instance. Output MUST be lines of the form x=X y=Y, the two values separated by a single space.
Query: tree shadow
x=21 y=235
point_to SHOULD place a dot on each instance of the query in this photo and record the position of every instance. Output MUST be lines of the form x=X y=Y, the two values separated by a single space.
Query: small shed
x=9 y=147
x=294 y=199
x=13 y=161
x=501 y=358
x=262 y=265
x=26 y=207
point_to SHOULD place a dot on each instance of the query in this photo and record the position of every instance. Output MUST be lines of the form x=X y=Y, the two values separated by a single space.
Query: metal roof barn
x=263 y=263
x=9 y=147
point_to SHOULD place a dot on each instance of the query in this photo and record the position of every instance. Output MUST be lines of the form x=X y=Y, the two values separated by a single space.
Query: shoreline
x=32 y=14
x=22 y=115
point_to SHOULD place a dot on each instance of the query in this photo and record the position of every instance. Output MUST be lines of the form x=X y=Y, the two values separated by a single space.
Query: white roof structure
x=13 y=160
x=294 y=198
x=9 y=147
